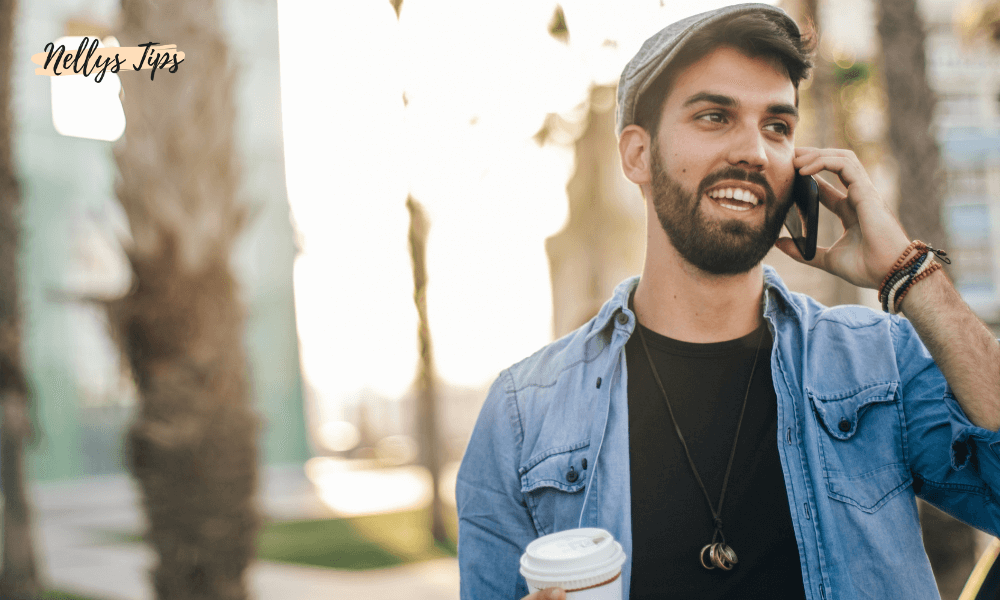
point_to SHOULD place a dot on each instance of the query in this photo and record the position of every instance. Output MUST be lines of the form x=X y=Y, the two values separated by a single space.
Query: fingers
x=848 y=168
x=837 y=202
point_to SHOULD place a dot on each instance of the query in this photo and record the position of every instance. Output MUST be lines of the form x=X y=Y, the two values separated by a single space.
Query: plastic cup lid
x=571 y=554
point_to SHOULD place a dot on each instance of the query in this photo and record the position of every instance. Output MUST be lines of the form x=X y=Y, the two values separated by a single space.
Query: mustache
x=738 y=175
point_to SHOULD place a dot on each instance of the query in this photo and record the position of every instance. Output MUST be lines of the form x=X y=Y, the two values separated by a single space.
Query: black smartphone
x=803 y=215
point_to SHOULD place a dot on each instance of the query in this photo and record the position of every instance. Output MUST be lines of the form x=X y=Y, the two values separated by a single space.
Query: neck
x=676 y=299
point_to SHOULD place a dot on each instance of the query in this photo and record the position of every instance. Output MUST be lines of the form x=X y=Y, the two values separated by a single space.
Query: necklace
x=719 y=553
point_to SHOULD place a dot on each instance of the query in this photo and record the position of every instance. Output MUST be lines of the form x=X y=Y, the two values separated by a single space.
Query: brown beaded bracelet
x=894 y=277
x=896 y=292
x=902 y=293
x=899 y=262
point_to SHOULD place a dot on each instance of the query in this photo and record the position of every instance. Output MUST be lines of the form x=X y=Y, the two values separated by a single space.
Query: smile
x=734 y=198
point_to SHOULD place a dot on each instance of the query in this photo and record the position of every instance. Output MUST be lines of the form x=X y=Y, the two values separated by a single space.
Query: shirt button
x=844 y=425
x=571 y=476
x=622 y=318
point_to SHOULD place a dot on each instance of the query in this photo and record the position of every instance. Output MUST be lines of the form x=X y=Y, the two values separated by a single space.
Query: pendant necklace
x=719 y=553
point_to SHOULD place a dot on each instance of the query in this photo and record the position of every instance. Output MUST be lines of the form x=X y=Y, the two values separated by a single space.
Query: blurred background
x=407 y=196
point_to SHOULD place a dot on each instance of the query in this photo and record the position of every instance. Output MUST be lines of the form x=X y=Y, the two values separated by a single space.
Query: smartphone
x=802 y=216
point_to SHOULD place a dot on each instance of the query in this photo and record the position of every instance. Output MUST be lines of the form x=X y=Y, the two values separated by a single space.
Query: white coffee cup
x=586 y=562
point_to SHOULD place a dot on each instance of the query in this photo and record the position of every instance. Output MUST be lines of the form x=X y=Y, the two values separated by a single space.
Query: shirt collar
x=619 y=300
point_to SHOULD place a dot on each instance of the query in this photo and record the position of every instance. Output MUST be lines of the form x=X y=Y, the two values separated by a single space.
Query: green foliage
x=857 y=72
x=356 y=543
x=333 y=544
x=557 y=25
x=56 y=595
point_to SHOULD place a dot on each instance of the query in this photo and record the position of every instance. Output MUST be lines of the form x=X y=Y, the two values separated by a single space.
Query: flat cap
x=660 y=50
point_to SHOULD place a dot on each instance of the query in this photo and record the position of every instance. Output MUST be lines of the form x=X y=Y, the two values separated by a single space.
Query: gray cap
x=658 y=51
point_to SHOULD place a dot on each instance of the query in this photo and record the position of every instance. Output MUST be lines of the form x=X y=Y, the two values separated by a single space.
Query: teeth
x=735 y=193
x=731 y=207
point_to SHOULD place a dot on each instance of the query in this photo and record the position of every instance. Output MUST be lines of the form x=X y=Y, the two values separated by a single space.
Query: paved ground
x=75 y=557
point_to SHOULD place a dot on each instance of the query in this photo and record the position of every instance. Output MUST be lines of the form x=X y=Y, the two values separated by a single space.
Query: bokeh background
x=431 y=192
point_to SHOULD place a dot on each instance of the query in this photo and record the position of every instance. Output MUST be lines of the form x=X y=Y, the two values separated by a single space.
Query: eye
x=779 y=127
x=713 y=117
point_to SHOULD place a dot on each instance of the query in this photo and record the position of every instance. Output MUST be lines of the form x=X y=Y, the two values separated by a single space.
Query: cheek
x=785 y=185
x=784 y=179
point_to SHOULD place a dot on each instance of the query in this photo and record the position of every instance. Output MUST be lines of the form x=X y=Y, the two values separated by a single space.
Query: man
x=738 y=439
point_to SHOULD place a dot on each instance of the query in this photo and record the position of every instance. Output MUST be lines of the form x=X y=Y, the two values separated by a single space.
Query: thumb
x=554 y=593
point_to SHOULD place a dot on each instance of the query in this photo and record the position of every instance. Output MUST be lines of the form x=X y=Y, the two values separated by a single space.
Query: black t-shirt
x=671 y=520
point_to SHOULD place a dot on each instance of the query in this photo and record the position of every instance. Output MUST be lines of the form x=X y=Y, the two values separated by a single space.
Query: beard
x=719 y=247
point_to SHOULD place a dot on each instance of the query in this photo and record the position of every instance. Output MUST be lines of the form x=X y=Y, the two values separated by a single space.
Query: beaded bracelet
x=895 y=278
x=918 y=277
x=900 y=269
x=896 y=292
x=902 y=274
x=900 y=278
x=899 y=263
x=890 y=294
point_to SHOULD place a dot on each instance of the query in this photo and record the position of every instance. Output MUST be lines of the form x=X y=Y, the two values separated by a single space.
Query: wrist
x=915 y=263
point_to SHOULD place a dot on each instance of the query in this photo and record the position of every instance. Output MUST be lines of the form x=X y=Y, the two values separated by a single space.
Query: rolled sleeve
x=494 y=525
x=955 y=464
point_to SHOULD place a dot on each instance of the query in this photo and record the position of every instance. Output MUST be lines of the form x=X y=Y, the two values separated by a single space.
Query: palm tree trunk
x=822 y=94
x=192 y=446
x=427 y=429
x=602 y=241
x=911 y=113
x=19 y=579
x=950 y=544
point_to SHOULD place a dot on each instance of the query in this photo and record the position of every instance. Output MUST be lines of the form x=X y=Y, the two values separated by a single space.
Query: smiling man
x=741 y=440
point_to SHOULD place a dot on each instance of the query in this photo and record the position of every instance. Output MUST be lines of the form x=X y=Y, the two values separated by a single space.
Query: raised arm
x=961 y=345
x=963 y=348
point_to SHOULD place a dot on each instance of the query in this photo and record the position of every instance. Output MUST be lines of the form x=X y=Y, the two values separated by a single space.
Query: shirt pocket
x=552 y=483
x=862 y=445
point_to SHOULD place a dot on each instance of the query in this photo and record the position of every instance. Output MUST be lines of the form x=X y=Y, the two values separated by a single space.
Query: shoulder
x=852 y=346
x=561 y=358
x=547 y=401
x=812 y=314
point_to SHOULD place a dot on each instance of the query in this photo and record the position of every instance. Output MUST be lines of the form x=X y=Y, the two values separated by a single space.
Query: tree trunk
x=19 y=579
x=911 y=113
x=192 y=446
x=602 y=241
x=427 y=429
x=950 y=544
x=823 y=96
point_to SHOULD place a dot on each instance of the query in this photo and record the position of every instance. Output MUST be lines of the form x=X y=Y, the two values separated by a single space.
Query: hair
x=755 y=34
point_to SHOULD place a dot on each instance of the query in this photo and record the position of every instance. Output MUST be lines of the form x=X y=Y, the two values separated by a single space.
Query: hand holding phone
x=803 y=215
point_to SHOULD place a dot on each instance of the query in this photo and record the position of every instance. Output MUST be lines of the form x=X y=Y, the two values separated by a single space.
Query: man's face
x=722 y=161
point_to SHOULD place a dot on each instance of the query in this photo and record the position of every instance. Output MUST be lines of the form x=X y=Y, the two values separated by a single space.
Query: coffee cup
x=585 y=562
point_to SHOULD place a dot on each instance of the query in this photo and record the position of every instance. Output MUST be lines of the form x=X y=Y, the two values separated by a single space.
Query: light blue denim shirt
x=866 y=422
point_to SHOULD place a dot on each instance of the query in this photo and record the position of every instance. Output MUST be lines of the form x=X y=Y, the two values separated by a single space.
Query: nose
x=747 y=149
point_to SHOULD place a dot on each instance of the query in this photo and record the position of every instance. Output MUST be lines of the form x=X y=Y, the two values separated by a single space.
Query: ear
x=634 y=147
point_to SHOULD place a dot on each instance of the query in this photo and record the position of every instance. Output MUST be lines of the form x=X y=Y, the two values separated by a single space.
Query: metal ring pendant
x=720 y=555
x=701 y=557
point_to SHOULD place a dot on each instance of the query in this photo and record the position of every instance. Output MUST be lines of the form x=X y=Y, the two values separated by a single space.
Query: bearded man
x=708 y=407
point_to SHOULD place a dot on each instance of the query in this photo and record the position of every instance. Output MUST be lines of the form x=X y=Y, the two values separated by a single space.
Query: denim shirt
x=866 y=423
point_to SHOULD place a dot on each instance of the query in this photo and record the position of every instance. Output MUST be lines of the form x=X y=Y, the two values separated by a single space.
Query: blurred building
x=71 y=247
x=966 y=77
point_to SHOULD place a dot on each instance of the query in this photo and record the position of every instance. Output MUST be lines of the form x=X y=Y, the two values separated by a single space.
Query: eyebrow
x=730 y=102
